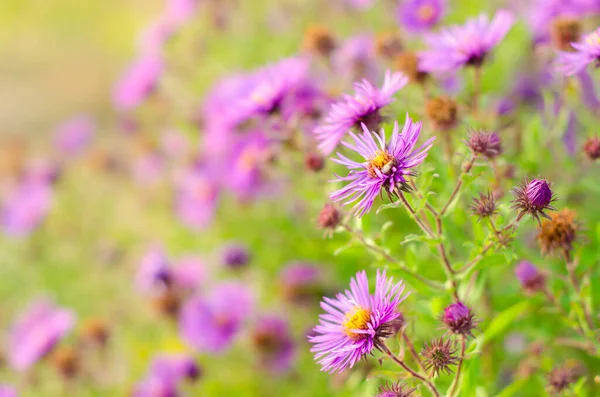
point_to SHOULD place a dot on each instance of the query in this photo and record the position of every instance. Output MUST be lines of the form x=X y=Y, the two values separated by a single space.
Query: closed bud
x=439 y=356
x=591 y=147
x=314 y=162
x=329 y=217
x=459 y=319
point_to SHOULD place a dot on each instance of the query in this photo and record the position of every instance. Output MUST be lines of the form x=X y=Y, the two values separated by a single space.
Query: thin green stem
x=454 y=386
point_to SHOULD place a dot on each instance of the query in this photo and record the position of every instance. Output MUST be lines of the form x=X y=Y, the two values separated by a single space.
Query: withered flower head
x=565 y=31
x=559 y=233
x=319 y=40
x=388 y=45
x=561 y=378
x=442 y=111
x=329 y=217
x=394 y=390
x=487 y=144
x=484 y=206
x=95 y=331
x=439 y=356
x=66 y=360
x=533 y=198
x=407 y=62
x=168 y=303
x=591 y=148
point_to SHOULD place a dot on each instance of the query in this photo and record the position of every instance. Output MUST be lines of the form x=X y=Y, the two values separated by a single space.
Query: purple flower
x=352 y=111
x=153 y=271
x=533 y=198
x=236 y=256
x=587 y=51
x=386 y=166
x=155 y=387
x=148 y=168
x=74 y=135
x=529 y=276
x=355 y=322
x=152 y=40
x=210 y=323
x=39 y=328
x=138 y=82
x=197 y=197
x=189 y=273
x=356 y=58
x=300 y=282
x=459 y=319
x=26 y=207
x=8 y=391
x=272 y=338
x=250 y=156
x=542 y=13
x=468 y=44
x=174 y=367
x=180 y=11
x=360 y=4
x=539 y=193
x=420 y=15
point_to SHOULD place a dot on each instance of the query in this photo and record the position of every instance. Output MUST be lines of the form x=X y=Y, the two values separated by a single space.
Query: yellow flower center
x=357 y=318
x=426 y=12
x=382 y=161
x=593 y=38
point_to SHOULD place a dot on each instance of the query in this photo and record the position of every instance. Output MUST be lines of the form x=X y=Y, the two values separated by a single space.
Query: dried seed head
x=388 y=45
x=168 y=303
x=329 y=217
x=66 y=360
x=559 y=233
x=95 y=331
x=394 y=390
x=408 y=63
x=487 y=144
x=459 y=319
x=591 y=148
x=565 y=31
x=319 y=40
x=443 y=112
x=533 y=198
x=484 y=206
x=439 y=356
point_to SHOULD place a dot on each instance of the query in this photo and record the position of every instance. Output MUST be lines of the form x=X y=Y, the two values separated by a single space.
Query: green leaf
x=504 y=320
x=512 y=389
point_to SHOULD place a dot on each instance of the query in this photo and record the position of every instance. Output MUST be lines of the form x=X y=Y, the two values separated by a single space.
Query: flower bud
x=591 y=148
x=236 y=256
x=530 y=277
x=484 y=206
x=394 y=390
x=439 y=356
x=485 y=143
x=459 y=319
x=533 y=198
x=329 y=217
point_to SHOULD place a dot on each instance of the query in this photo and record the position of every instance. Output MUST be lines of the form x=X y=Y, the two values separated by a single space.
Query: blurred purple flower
x=42 y=170
x=355 y=322
x=462 y=45
x=210 y=323
x=174 y=144
x=236 y=255
x=153 y=270
x=148 y=168
x=459 y=319
x=74 y=135
x=174 y=368
x=386 y=167
x=300 y=282
x=247 y=169
x=197 y=197
x=355 y=59
x=541 y=13
x=138 y=82
x=155 y=387
x=26 y=207
x=153 y=39
x=529 y=276
x=273 y=340
x=420 y=15
x=587 y=51
x=352 y=111
x=37 y=330
x=360 y=4
x=180 y=11
x=8 y=391
x=189 y=273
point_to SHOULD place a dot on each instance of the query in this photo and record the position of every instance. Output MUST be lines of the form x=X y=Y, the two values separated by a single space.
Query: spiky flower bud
x=533 y=198
x=559 y=233
x=591 y=148
x=319 y=40
x=329 y=217
x=394 y=390
x=531 y=279
x=561 y=378
x=314 y=162
x=407 y=62
x=236 y=256
x=439 y=356
x=565 y=31
x=484 y=206
x=388 y=45
x=442 y=111
x=459 y=319
x=487 y=144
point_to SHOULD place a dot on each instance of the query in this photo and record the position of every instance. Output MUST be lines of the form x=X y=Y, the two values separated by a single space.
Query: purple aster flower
x=355 y=322
x=529 y=276
x=74 y=135
x=236 y=256
x=272 y=339
x=362 y=108
x=153 y=271
x=394 y=390
x=587 y=51
x=37 y=331
x=155 y=387
x=420 y=15
x=468 y=44
x=356 y=59
x=174 y=368
x=26 y=207
x=210 y=323
x=189 y=273
x=386 y=166
x=8 y=391
x=197 y=199
x=138 y=82
x=180 y=11
x=459 y=319
x=301 y=282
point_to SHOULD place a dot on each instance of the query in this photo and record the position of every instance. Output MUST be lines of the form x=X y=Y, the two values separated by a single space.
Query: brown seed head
x=439 y=356
x=565 y=31
x=559 y=233
x=66 y=360
x=442 y=111
x=388 y=45
x=95 y=331
x=408 y=63
x=319 y=40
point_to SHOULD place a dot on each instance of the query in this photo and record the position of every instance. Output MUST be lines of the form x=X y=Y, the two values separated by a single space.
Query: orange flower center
x=357 y=318
x=381 y=161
